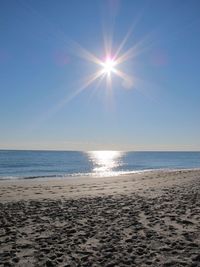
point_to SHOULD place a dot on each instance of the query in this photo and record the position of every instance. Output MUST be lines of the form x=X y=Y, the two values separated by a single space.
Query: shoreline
x=77 y=187
x=150 y=219
x=93 y=175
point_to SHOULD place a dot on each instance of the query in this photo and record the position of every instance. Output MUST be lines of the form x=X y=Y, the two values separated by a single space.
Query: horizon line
x=70 y=150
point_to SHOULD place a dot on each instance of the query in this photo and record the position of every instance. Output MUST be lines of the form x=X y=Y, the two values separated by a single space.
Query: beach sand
x=147 y=219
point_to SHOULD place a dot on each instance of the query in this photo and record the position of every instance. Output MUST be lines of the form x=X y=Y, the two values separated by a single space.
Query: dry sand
x=149 y=219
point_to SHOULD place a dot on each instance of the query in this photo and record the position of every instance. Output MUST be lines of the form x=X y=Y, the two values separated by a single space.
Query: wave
x=72 y=175
x=93 y=174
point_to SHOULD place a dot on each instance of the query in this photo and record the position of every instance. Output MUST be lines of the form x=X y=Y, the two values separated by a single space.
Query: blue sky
x=41 y=68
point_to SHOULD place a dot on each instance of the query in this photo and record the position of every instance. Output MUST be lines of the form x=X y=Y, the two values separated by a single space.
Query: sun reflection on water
x=105 y=163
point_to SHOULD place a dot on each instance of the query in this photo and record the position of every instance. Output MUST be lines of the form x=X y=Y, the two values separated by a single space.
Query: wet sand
x=149 y=219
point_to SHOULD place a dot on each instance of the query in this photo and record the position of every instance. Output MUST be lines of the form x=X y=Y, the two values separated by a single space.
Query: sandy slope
x=150 y=219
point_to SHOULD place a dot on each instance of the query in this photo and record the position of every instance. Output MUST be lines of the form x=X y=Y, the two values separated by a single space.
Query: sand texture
x=150 y=219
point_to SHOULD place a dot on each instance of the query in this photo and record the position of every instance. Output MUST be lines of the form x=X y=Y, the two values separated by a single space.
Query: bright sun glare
x=105 y=162
x=109 y=66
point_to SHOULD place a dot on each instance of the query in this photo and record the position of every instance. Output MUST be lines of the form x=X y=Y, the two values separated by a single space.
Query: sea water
x=18 y=164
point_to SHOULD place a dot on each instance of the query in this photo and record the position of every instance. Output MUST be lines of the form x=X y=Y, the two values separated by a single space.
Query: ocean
x=18 y=164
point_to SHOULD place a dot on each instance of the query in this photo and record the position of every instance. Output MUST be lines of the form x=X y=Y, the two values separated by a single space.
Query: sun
x=109 y=65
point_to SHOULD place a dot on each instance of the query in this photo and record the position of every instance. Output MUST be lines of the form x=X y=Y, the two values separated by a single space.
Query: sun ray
x=107 y=40
x=84 y=53
x=99 y=82
x=108 y=32
x=124 y=41
x=91 y=79
x=109 y=82
x=130 y=32
x=141 y=46
x=109 y=90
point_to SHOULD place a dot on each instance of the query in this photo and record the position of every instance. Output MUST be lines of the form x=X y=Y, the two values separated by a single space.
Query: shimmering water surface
x=38 y=164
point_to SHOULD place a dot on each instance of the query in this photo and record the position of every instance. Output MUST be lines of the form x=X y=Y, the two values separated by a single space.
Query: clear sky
x=43 y=104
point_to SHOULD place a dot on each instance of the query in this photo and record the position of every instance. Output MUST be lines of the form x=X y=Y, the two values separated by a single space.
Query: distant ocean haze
x=18 y=164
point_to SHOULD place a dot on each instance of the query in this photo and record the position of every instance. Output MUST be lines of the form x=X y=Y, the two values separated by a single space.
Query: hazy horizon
x=72 y=150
